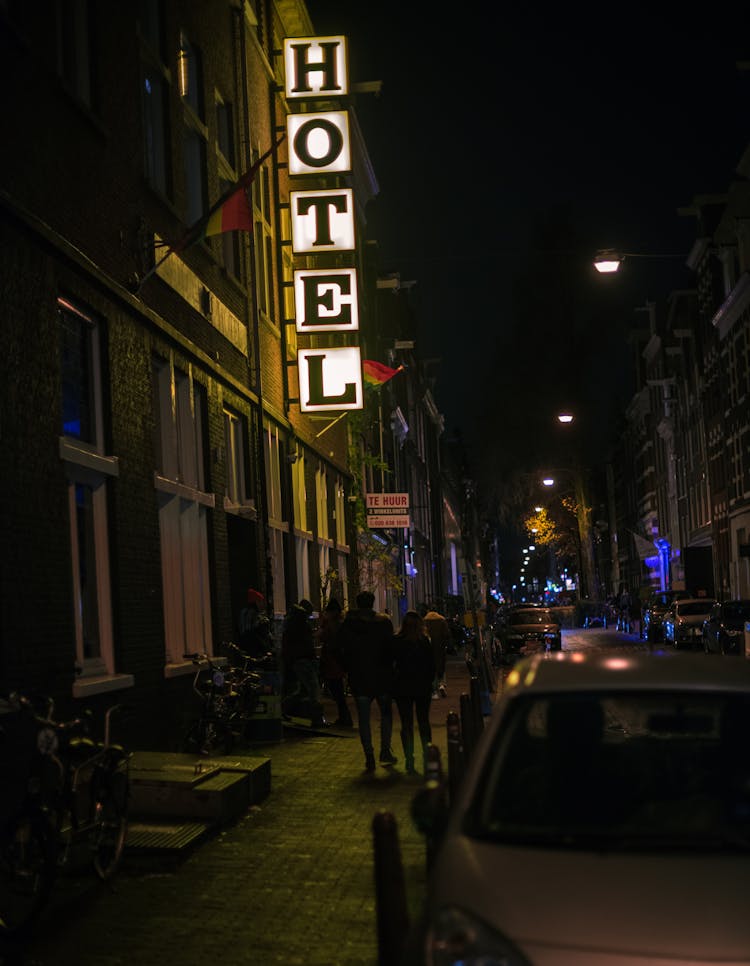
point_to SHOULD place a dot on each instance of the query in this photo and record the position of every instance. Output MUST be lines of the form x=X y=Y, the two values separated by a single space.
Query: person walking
x=367 y=650
x=332 y=671
x=413 y=677
x=440 y=635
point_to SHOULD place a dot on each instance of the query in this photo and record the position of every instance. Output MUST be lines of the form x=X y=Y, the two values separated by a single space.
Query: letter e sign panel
x=330 y=380
x=325 y=300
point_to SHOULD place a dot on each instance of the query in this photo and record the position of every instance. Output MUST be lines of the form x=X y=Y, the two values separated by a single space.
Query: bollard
x=468 y=727
x=391 y=910
x=433 y=765
x=487 y=684
x=435 y=802
x=455 y=754
x=476 y=707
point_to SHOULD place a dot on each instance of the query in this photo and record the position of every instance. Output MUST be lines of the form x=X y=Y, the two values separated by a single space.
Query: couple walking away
x=382 y=666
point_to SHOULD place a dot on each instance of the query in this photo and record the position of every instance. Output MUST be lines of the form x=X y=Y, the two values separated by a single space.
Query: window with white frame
x=301 y=534
x=181 y=417
x=321 y=502
x=87 y=469
x=278 y=527
x=342 y=564
x=299 y=492
x=340 y=511
x=302 y=563
x=324 y=559
x=238 y=492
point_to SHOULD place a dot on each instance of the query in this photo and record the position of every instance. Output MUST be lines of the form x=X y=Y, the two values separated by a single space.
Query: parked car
x=683 y=622
x=524 y=631
x=605 y=799
x=653 y=611
x=724 y=628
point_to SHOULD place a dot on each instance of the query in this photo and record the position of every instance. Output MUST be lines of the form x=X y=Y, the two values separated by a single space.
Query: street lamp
x=608 y=260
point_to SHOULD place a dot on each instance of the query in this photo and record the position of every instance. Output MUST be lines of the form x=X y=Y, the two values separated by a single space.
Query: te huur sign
x=322 y=221
x=385 y=510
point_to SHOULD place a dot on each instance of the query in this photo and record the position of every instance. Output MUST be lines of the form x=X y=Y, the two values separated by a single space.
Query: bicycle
x=76 y=792
x=229 y=697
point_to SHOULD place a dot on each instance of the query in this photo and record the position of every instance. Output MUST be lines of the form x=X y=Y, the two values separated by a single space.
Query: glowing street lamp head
x=607 y=261
x=548 y=481
x=565 y=418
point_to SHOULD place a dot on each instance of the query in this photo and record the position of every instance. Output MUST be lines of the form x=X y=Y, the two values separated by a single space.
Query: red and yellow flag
x=233 y=215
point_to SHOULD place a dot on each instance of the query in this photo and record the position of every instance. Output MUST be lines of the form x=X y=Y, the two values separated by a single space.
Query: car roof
x=709 y=601
x=575 y=671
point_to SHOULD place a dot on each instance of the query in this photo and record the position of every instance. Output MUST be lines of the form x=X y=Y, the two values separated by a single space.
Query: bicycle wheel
x=28 y=868
x=110 y=824
x=208 y=736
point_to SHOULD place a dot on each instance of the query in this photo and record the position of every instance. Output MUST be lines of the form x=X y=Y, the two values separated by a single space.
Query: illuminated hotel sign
x=322 y=221
x=330 y=380
x=326 y=300
x=320 y=143
x=316 y=67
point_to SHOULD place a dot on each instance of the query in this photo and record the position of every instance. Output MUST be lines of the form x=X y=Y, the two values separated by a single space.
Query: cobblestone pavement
x=291 y=882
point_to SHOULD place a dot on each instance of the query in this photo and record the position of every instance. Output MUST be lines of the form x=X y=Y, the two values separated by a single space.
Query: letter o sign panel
x=319 y=143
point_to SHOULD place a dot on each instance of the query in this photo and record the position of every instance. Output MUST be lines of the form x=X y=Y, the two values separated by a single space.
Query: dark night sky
x=492 y=140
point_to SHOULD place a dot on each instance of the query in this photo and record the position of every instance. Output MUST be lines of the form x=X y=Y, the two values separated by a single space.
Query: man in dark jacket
x=367 y=649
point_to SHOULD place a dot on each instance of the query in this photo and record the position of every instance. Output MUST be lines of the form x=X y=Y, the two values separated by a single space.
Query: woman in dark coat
x=413 y=673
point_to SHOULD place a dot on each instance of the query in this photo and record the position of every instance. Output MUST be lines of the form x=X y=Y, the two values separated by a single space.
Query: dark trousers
x=407 y=707
x=336 y=690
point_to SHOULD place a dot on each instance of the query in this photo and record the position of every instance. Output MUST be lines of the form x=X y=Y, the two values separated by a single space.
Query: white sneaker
x=435 y=695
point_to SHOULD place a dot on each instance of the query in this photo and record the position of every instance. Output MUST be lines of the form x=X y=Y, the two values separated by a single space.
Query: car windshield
x=693 y=608
x=537 y=615
x=630 y=771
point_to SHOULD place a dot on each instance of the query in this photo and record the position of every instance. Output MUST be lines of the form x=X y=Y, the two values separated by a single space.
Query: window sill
x=181 y=668
x=100 y=684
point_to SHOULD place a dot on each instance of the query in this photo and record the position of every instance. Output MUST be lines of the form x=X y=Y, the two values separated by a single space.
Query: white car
x=683 y=622
x=603 y=820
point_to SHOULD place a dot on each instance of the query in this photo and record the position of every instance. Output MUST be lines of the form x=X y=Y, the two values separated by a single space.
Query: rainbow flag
x=376 y=374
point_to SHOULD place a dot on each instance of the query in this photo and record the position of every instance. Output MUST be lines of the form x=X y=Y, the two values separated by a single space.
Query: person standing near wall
x=254 y=627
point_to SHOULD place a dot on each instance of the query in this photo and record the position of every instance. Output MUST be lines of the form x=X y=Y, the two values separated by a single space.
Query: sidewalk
x=291 y=883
